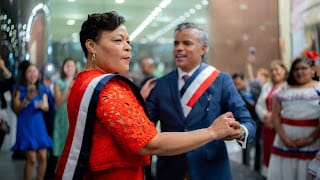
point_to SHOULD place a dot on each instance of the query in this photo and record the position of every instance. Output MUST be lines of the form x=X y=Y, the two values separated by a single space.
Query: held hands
x=302 y=141
x=226 y=127
x=305 y=141
x=290 y=143
x=298 y=143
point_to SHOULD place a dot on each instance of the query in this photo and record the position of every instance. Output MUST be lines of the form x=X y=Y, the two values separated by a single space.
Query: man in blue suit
x=191 y=97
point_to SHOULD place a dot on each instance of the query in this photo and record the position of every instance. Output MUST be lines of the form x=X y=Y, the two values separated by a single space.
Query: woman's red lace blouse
x=121 y=129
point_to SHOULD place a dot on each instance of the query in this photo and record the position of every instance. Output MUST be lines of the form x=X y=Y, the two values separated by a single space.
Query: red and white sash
x=81 y=142
x=74 y=166
x=198 y=86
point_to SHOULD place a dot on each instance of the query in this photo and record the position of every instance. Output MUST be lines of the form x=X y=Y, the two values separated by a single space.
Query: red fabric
x=300 y=122
x=267 y=133
x=313 y=55
x=294 y=154
x=268 y=137
x=128 y=173
x=269 y=99
x=77 y=90
x=120 y=130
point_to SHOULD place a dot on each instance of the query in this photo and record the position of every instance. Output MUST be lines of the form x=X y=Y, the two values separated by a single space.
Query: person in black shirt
x=6 y=82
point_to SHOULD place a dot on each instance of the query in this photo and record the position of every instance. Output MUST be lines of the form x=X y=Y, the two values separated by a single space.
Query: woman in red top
x=115 y=141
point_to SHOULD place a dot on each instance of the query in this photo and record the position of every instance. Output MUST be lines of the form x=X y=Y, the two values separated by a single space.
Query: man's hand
x=225 y=127
x=147 y=87
x=238 y=135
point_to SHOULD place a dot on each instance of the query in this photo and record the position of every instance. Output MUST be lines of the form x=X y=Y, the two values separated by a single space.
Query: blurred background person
x=262 y=74
x=47 y=79
x=147 y=68
x=296 y=114
x=6 y=122
x=263 y=108
x=249 y=92
x=29 y=100
x=257 y=80
x=62 y=86
x=314 y=165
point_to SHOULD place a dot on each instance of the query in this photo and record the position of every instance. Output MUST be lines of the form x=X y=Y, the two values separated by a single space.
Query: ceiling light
x=173 y=24
x=154 y=24
x=205 y=2
x=71 y=22
x=186 y=14
x=164 y=3
x=71 y=0
x=119 y=1
x=198 y=6
x=164 y=19
x=192 y=11
x=149 y=19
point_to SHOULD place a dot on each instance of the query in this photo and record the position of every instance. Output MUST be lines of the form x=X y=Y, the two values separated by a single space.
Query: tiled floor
x=13 y=169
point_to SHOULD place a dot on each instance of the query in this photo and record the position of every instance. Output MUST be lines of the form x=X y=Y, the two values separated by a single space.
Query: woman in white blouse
x=264 y=106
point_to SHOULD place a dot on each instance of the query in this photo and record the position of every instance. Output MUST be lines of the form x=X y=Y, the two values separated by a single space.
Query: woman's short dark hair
x=291 y=80
x=95 y=24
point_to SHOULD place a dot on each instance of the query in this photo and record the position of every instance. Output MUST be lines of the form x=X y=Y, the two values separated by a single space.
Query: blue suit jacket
x=211 y=160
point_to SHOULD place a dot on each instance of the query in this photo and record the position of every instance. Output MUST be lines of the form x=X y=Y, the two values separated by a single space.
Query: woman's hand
x=305 y=141
x=44 y=105
x=302 y=142
x=288 y=142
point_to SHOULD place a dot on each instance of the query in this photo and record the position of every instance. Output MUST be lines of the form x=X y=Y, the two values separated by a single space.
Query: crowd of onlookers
x=36 y=115
x=285 y=105
x=286 y=109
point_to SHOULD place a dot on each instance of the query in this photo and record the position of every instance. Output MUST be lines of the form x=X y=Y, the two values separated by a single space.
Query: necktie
x=185 y=77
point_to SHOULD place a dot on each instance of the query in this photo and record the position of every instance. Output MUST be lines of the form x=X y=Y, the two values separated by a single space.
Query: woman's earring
x=93 y=57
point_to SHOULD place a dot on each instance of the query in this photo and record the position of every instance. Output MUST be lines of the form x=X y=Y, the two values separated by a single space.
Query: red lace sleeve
x=123 y=116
